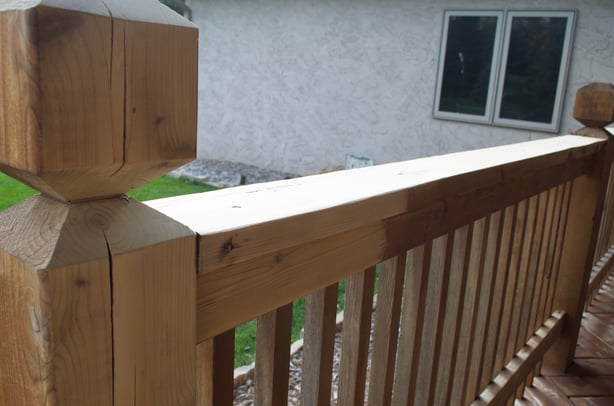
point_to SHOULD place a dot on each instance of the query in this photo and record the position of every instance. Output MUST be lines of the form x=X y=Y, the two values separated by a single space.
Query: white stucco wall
x=295 y=85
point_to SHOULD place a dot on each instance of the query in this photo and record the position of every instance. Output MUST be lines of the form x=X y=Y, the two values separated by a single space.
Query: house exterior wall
x=295 y=85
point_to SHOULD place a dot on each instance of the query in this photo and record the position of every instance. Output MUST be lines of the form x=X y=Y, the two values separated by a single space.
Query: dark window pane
x=532 y=69
x=467 y=66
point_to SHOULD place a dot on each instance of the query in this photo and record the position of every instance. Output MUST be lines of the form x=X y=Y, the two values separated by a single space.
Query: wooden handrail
x=281 y=243
x=357 y=217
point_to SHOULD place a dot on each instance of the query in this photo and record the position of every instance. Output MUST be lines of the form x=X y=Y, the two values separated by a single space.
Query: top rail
x=296 y=236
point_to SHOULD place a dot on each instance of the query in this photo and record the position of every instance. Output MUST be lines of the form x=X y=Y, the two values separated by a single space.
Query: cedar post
x=594 y=107
x=97 y=291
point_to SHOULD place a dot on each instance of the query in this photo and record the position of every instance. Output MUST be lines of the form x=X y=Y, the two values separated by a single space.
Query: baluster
x=318 y=351
x=493 y=240
x=355 y=337
x=273 y=334
x=438 y=280
x=412 y=320
x=510 y=293
x=453 y=315
x=500 y=284
x=386 y=331
x=215 y=370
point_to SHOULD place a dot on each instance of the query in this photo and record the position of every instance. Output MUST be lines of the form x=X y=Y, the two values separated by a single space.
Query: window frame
x=486 y=118
x=498 y=69
x=554 y=124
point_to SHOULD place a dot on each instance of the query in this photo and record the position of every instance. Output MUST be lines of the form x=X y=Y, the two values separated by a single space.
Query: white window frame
x=498 y=67
x=554 y=124
x=494 y=71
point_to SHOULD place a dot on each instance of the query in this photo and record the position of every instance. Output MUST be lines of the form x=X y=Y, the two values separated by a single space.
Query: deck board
x=590 y=379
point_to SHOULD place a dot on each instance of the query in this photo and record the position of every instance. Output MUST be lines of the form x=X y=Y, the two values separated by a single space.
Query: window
x=506 y=69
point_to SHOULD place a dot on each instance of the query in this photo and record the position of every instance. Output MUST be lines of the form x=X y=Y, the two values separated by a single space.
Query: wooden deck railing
x=485 y=256
x=482 y=259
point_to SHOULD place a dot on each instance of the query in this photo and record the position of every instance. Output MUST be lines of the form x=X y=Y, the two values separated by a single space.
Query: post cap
x=594 y=106
x=96 y=97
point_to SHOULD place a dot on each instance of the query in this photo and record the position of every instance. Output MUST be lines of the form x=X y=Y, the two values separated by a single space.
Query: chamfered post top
x=96 y=97
x=594 y=106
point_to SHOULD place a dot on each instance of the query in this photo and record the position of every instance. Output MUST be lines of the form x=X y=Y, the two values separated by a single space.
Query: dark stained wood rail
x=589 y=381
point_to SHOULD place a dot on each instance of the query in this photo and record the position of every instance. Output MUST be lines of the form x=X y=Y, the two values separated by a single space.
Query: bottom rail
x=525 y=361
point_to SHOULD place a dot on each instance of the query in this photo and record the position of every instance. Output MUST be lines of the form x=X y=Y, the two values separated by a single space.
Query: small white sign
x=357 y=161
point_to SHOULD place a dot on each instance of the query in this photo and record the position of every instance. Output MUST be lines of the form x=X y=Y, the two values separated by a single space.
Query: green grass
x=245 y=334
x=167 y=187
x=12 y=191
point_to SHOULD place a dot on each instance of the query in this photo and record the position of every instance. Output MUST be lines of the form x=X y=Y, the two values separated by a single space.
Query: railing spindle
x=492 y=241
x=319 y=346
x=538 y=296
x=215 y=368
x=355 y=337
x=273 y=332
x=527 y=293
x=503 y=347
x=605 y=230
x=412 y=320
x=508 y=219
x=470 y=308
x=386 y=330
x=438 y=280
x=558 y=247
x=453 y=314
x=516 y=340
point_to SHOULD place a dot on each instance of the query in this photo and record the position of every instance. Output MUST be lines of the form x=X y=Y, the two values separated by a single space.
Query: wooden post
x=97 y=291
x=594 y=108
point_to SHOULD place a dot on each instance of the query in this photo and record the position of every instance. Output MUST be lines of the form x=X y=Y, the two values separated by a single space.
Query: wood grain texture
x=503 y=349
x=546 y=393
x=437 y=288
x=498 y=298
x=453 y=315
x=594 y=105
x=82 y=89
x=485 y=315
x=154 y=332
x=412 y=320
x=24 y=351
x=529 y=304
x=110 y=299
x=215 y=367
x=525 y=360
x=514 y=340
x=607 y=220
x=464 y=364
x=581 y=232
x=19 y=79
x=57 y=344
x=386 y=331
x=273 y=331
x=300 y=245
x=257 y=220
x=355 y=337
x=534 y=317
x=545 y=255
x=57 y=310
x=319 y=346
x=560 y=239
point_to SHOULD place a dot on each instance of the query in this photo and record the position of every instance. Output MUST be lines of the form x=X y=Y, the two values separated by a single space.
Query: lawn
x=12 y=192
